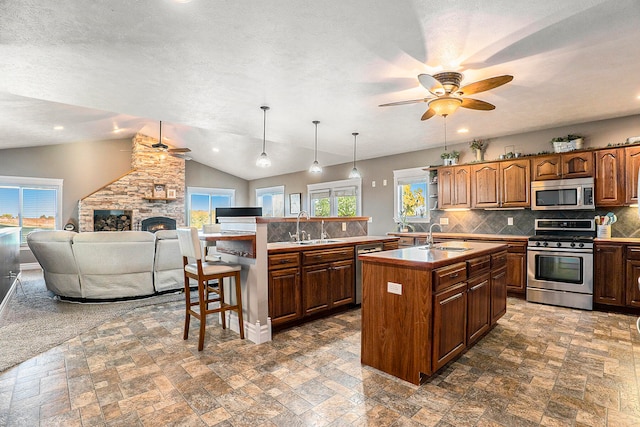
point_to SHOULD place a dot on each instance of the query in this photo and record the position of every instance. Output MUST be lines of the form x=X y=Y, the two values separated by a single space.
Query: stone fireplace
x=133 y=192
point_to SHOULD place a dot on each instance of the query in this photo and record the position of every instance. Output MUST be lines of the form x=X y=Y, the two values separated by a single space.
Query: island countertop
x=441 y=254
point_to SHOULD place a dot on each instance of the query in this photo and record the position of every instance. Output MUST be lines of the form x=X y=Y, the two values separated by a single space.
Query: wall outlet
x=344 y=226
x=394 y=288
x=444 y=221
x=510 y=221
x=384 y=182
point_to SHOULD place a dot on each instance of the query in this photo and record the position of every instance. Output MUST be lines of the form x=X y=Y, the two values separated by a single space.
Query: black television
x=238 y=211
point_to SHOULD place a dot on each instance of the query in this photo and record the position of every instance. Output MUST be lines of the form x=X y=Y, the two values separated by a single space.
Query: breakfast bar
x=424 y=306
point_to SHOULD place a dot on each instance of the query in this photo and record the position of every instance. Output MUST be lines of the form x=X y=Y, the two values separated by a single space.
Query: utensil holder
x=604 y=231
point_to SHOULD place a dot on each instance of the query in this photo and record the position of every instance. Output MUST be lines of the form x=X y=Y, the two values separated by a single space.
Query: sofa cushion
x=52 y=249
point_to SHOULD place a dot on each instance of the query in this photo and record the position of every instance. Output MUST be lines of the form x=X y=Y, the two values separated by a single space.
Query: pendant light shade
x=263 y=160
x=315 y=166
x=354 y=172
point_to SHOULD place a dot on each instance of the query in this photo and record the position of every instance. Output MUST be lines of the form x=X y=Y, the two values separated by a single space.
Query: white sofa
x=108 y=265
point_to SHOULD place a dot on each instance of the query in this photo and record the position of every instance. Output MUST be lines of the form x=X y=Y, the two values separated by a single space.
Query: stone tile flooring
x=540 y=366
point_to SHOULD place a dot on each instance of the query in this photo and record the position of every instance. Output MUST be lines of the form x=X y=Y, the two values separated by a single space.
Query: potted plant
x=479 y=146
x=567 y=143
x=402 y=222
x=450 y=157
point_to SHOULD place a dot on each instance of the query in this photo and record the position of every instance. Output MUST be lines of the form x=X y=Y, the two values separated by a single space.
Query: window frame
x=332 y=187
x=275 y=189
x=23 y=182
x=414 y=174
x=210 y=192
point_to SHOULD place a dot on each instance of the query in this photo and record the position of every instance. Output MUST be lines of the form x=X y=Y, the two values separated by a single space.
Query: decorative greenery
x=450 y=155
x=479 y=144
x=567 y=138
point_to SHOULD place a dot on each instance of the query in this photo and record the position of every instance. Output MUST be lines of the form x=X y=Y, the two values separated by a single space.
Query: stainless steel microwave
x=559 y=194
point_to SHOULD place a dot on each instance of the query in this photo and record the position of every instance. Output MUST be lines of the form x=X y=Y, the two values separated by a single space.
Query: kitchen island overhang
x=423 y=307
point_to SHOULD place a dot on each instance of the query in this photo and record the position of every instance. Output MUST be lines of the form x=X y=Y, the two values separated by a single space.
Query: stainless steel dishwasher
x=363 y=249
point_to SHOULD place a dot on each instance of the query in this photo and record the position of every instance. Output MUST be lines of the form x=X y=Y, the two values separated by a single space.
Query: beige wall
x=377 y=202
x=199 y=175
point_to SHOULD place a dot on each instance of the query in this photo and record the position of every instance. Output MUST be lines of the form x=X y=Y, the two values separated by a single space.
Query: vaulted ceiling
x=109 y=69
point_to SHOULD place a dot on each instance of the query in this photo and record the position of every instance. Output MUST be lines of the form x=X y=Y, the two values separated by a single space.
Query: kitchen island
x=422 y=307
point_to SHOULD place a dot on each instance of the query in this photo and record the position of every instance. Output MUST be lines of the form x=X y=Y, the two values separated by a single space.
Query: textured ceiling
x=205 y=67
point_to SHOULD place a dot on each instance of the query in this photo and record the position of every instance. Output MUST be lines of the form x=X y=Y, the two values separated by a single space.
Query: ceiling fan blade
x=476 y=104
x=485 y=84
x=431 y=84
x=412 y=101
x=428 y=114
x=179 y=150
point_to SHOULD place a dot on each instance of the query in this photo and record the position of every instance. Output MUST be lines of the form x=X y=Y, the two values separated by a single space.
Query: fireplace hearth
x=156 y=223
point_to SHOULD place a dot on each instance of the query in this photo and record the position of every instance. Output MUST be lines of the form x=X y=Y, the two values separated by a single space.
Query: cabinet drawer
x=516 y=247
x=633 y=252
x=405 y=242
x=498 y=260
x=279 y=261
x=421 y=241
x=388 y=246
x=450 y=275
x=327 y=255
x=478 y=265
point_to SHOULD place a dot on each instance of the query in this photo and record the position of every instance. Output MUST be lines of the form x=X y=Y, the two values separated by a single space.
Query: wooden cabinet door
x=485 y=190
x=632 y=165
x=632 y=286
x=498 y=293
x=285 y=302
x=515 y=182
x=446 y=189
x=546 y=167
x=577 y=165
x=462 y=186
x=341 y=283
x=449 y=324
x=517 y=267
x=478 y=307
x=609 y=277
x=315 y=288
x=610 y=187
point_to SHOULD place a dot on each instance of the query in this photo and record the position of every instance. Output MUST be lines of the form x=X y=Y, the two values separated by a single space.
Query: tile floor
x=540 y=366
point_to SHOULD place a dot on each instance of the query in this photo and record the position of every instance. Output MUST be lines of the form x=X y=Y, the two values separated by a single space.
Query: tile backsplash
x=496 y=221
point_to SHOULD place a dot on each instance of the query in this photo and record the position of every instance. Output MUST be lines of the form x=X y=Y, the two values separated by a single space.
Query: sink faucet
x=302 y=212
x=323 y=235
x=430 y=237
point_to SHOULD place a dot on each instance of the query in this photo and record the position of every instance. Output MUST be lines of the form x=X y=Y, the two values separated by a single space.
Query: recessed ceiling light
x=58 y=127
x=215 y=149
x=463 y=130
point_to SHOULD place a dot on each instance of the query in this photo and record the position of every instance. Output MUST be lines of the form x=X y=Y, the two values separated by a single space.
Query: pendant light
x=354 y=172
x=263 y=160
x=315 y=166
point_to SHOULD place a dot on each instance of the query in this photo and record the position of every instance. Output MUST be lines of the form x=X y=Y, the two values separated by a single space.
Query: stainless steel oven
x=560 y=263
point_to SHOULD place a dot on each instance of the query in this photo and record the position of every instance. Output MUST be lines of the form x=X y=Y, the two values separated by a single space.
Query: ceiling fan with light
x=174 y=152
x=448 y=96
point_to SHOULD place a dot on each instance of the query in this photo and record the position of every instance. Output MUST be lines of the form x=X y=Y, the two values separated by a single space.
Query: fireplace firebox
x=156 y=223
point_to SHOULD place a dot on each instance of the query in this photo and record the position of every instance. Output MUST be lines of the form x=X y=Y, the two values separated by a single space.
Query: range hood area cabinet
x=617 y=176
x=501 y=184
x=562 y=166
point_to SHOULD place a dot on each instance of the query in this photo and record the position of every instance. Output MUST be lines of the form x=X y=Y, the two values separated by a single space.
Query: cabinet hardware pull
x=454 y=275
x=477 y=286
x=451 y=298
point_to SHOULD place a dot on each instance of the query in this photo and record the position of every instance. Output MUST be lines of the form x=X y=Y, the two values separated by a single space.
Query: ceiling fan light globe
x=445 y=105
x=315 y=167
x=263 y=161
x=354 y=173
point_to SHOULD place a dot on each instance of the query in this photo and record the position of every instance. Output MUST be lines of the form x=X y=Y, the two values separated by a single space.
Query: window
x=271 y=200
x=202 y=204
x=30 y=203
x=411 y=192
x=337 y=198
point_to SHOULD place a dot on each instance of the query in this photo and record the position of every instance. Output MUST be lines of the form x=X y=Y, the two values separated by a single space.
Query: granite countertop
x=622 y=240
x=473 y=236
x=330 y=243
x=420 y=256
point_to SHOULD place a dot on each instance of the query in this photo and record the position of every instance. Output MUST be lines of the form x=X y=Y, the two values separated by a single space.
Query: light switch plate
x=394 y=288
x=444 y=221
x=344 y=226
x=510 y=221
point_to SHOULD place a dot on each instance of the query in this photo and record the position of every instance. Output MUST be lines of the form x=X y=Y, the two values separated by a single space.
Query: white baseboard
x=255 y=333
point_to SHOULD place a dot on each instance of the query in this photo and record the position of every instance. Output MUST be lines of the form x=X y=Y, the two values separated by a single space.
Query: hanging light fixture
x=354 y=172
x=315 y=166
x=263 y=160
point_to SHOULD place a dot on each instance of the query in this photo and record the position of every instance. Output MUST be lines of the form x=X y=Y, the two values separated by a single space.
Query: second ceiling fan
x=448 y=96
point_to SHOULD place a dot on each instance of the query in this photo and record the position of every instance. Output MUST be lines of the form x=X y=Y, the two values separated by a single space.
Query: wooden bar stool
x=204 y=273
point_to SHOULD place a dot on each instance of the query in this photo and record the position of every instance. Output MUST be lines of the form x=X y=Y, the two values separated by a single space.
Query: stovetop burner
x=563 y=233
x=561 y=238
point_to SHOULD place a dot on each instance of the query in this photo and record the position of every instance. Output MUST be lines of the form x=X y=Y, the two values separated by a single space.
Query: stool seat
x=204 y=273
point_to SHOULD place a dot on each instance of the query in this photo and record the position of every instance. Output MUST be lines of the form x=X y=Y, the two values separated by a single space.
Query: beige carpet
x=35 y=321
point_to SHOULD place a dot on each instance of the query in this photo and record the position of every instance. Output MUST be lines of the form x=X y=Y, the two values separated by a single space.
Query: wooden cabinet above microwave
x=562 y=166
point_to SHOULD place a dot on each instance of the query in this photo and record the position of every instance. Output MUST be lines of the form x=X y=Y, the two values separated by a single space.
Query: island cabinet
x=423 y=308
x=501 y=184
x=562 y=166
x=454 y=187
